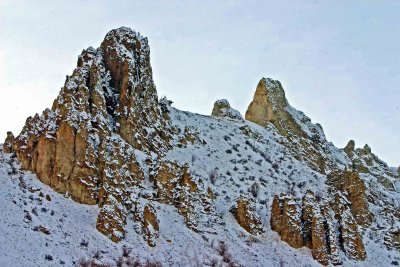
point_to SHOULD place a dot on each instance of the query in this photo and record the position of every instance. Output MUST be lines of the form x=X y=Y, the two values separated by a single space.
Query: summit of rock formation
x=222 y=108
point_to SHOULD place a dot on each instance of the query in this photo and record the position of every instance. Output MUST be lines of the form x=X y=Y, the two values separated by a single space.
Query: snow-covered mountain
x=111 y=170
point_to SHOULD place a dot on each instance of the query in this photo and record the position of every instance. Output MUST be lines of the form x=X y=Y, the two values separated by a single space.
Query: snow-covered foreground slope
x=239 y=160
x=27 y=204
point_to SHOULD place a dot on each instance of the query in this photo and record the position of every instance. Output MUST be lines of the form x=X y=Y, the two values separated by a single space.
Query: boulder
x=8 y=143
x=349 y=148
x=111 y=219
x=222 y=108
x=150 y=225
x=246 y=215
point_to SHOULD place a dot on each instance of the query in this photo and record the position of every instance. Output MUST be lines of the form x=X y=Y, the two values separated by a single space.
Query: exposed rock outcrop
x=150 y=224
x=349 y=148
x=351 y=184
x=222 y=108
x=317 y=227
x=111 y=220
x=269 y=105
x=175 y=185
x=305 y=140
x=85 y=146
x=8 y=143
x=348 y=228
x=108 y=141
x=286 y=220
x=246 y=216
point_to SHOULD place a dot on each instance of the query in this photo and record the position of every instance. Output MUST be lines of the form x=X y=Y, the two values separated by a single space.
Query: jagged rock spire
x=85 y=146
x=109 y=101
x=268 y=102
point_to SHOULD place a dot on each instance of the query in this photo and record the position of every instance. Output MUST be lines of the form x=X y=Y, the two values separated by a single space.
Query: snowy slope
x=240 y=153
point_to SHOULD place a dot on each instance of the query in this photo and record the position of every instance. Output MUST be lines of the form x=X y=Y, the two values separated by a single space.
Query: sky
x=338 y=61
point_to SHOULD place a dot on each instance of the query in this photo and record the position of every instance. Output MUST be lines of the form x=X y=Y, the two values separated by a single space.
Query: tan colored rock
x=84 y=146
x=111 y=220
x=268 y=106
x=351 y=183
x=168 y=175
x=276 y=214
x=349 y=149
x=309 y=204
x=305 y=140
x=246 y=216
x=321 y=234
x=8 y=143
x=45 y=159
x=352 y=239
x=291 y=230
x=318 y=236
x=286 y=220
x=150 y=225
x=331 y=235
x=222 y=108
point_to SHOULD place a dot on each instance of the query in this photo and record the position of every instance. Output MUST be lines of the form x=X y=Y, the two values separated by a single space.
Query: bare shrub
x=150 y=263
x=34 y=211
x=213 y=174
x=84 y=263
x=126 y=251
x=223 y=250
x=22 y=183
x=214 y=262
x=97 y=255
x=84 y=243
x=28 y=217
x=255 y=189
x=48 y=257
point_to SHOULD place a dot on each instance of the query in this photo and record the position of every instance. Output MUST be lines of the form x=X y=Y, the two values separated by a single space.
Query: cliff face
x=86 y=146
x=109 y=141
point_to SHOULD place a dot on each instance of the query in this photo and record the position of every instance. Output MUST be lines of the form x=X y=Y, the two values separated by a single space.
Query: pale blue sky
x=338 y=61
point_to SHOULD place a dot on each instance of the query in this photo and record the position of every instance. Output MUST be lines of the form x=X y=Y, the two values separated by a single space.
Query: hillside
x=112 y=166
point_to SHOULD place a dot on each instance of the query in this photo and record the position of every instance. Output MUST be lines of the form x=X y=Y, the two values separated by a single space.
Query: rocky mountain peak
x=268 y=103
x=367 y=150
x=349 y=148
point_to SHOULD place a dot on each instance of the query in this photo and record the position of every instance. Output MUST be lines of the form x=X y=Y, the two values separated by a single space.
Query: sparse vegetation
x=48 y=257
x=255 y=189
x=84 y=243
x=124 y=260
x=213 y=175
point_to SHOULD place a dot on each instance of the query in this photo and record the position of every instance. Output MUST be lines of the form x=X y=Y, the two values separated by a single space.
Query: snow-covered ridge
x=164 y=181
